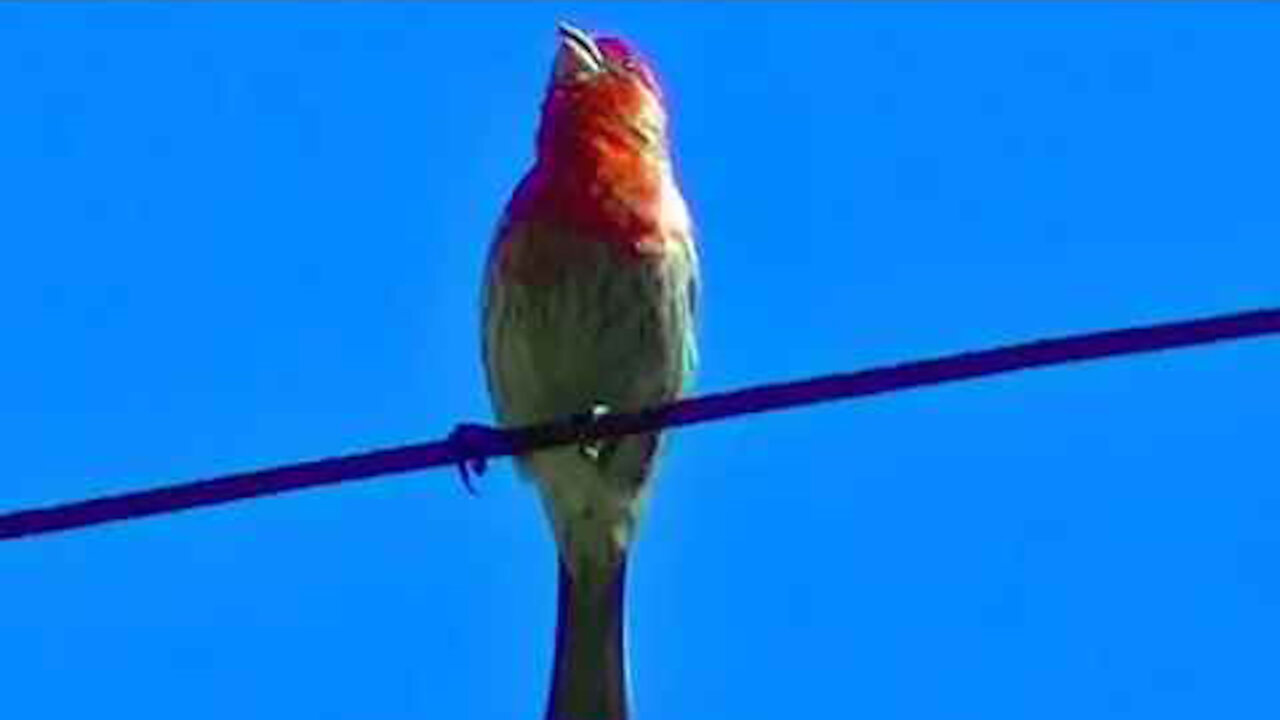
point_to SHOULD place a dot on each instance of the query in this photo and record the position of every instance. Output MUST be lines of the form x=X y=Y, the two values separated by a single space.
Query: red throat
x=595 y=174
x=602 y=177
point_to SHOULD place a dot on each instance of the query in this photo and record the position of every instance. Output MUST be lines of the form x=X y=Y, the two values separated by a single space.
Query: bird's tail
x=590 y=672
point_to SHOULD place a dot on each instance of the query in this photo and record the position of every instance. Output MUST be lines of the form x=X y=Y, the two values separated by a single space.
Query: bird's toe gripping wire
x=592 y=449
x=472 y=444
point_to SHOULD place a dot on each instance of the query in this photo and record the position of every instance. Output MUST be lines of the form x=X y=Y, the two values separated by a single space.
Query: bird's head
x=601 y=92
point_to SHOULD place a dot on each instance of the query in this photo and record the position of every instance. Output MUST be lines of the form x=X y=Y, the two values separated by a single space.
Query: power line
x=469 y=446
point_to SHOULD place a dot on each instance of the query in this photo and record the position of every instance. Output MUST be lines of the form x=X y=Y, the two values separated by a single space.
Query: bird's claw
x=583 y=422
x=471 y=445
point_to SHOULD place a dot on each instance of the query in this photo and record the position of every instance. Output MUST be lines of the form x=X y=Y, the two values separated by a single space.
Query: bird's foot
x=472 y=444
x=591 y=449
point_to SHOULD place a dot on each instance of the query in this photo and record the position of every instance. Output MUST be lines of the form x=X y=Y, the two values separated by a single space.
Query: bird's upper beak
x=579 y=56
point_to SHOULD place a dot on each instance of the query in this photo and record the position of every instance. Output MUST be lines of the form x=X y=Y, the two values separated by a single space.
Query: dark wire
x=470 y=445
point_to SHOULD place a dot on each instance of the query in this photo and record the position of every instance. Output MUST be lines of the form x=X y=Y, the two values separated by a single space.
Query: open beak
x=582 y=48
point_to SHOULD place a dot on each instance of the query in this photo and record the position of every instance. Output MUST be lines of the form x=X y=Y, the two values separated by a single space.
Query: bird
x=589 y=305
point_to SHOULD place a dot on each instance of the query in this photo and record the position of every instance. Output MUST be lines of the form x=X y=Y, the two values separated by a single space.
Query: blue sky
x=238 y=235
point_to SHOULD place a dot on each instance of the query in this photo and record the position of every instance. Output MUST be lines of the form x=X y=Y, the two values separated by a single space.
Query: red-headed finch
x=588 y=308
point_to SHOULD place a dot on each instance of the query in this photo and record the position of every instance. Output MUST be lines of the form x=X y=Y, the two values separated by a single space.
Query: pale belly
x=609 y=332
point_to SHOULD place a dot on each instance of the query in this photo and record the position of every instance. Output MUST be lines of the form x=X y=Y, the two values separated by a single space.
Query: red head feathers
x=603 y=166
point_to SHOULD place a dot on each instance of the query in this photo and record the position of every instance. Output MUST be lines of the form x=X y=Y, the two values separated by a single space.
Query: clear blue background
x=237 y=235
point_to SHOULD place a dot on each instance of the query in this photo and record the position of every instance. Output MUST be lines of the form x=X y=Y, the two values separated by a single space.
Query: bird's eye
x=630 y=64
